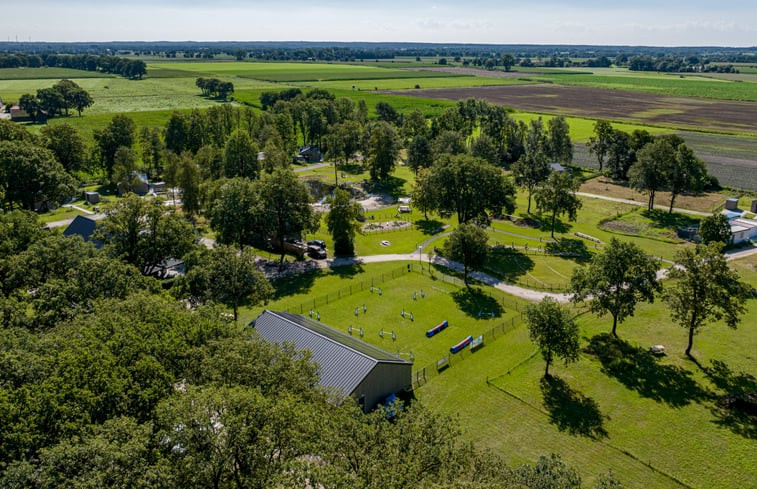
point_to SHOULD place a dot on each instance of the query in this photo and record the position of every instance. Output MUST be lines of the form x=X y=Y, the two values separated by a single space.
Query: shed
x=310 y=154
x=732 y=204
x=347 y=364
x=743 y=230
x=92 y=197
x=754 y=207
x=84 y=227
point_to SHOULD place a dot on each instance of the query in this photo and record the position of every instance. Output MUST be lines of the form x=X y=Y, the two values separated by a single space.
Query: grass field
x=48 y=73
x=684 y=86
x=291 y=72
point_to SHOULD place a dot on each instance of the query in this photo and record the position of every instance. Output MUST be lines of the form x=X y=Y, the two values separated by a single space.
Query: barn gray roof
x=84 y=227
x=344 y=361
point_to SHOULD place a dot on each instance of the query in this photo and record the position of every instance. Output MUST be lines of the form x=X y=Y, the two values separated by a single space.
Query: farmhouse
x=362 y=371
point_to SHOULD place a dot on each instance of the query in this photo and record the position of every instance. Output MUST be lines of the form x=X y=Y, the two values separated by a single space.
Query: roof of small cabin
x=344 y=360
x=84 y=227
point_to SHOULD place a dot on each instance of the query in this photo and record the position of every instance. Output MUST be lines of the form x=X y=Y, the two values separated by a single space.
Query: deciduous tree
x=618 y=278
x=467 y=245
x=66 y=144
x=342 y=222
x=553 y=330
x=558 y=196
x=383 y=150
x=471 y=187
x=704 y=289
x=599 y=144
x=715 y=229
x=649 y=173
x=119 y=132
x=227 y=276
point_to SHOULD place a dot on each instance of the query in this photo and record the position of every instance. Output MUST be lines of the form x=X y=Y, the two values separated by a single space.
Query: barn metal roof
x=84 y=227
x=344 y=361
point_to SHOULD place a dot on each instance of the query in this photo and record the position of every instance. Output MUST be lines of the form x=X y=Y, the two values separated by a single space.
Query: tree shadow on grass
x=348 y=271
x=508 y=263
x=476 y=304
x=570 y=410
x=297 y=283
x=663 y=219
x=430 y=226
x=392 y=185
x=353 y=168
x=641 y=371
x=736 y=407
x=574 y=249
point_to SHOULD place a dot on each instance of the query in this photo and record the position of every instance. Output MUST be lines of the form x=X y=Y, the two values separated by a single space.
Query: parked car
x=315 y=251
x=317 y=242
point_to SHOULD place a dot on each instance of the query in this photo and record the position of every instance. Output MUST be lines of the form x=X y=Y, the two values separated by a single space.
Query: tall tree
x=30 y=105
x=189 y=181
x=649 y=173
x=553 y=330
x=508 y=61
x=285 y=204
x=620 y=155
x=616 y=280
x=81 y=99
x=560 y=147
x=176 y=132
x=471 y=187
x=342 y=222
x=228 y=276
x=125 y=168
x=533 y=166
x=558 y=196
x=704 y=289
x=686 y=173
x=715 y=229
x=484 y=147
x=599 y=143
x=240 y=156
x=425 y=195
x=467 y=245
x=66 y=144
x=119 y=132
x=419 y=153
x=235 y=213
x=152 y=147
x=142 y=233
x=30 y=174
x=383 y=150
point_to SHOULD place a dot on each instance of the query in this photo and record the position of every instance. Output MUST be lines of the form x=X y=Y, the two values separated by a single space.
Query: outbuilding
x=85 y=227
x=360 y=370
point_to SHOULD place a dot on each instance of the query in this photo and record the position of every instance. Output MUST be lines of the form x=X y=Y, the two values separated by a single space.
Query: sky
x=640 y=22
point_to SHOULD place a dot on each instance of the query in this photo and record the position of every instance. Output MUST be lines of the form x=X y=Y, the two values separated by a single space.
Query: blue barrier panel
x=436 y=329
x=461 y=345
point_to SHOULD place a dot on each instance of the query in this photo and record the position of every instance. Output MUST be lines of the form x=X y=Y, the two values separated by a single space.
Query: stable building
x=360 y=370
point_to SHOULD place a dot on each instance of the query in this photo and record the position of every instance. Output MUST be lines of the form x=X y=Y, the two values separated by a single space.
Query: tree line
x=649 y=163
x=128 y=68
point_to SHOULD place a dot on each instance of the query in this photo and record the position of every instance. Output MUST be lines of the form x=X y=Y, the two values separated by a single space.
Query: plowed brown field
x=694 y=113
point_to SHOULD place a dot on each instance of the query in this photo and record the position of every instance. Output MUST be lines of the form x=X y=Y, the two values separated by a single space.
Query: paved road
x=643 y=204
x=311 y=167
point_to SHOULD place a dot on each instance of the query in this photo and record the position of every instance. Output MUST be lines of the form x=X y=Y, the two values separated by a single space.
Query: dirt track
x=695 y=113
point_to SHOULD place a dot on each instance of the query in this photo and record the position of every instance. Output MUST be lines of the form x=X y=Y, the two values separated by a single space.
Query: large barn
x=362 y=371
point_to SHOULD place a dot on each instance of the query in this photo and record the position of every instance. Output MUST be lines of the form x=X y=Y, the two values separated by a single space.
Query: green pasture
x=683 y=86
x=582 y=129
x=601 y=416
x=292 y=72
x=48 y=73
